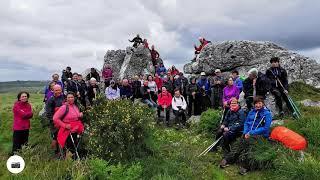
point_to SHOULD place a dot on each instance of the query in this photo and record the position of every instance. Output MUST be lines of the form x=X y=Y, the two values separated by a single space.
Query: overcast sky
x=40 y=37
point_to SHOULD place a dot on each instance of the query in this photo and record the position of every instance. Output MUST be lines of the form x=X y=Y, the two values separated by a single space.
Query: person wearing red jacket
x=203 y=43
x=164 y=103
x=154 y=55
x=22 y=113
x=159 y=82
x=174 y=71
x=67 y=120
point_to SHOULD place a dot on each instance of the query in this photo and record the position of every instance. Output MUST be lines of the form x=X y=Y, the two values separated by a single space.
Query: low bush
x=118 y=130
x=209 y=121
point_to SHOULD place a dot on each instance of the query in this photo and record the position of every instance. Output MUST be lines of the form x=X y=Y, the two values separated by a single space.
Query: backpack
x=64 y=115
x=174 y=99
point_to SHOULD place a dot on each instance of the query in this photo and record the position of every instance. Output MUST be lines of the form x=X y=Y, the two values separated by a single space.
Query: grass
x=174 y=154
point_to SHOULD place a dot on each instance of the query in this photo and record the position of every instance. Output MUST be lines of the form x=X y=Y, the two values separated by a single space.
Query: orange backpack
x=289 y=138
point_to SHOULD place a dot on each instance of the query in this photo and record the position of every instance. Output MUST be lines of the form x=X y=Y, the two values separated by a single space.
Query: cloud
x=48 y=35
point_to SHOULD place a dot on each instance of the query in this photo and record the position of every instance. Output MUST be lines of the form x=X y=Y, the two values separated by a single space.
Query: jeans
x=150 y=103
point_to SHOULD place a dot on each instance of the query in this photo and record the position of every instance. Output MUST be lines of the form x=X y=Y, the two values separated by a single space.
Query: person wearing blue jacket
x=257 y=124
x=204 y=83
x=237 y=80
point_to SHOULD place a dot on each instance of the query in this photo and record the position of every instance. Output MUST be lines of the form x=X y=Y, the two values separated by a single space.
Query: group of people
x=166 y=90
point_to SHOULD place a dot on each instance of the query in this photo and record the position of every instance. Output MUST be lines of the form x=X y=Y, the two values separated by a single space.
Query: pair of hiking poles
x=62 y=153
x=214 y=144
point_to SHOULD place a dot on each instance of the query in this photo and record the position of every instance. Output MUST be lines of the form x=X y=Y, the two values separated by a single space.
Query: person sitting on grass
x=179 y=106
x=164 y=103
x=232 y=125
x=256 y=126
x=22 y=113
x=146 y=96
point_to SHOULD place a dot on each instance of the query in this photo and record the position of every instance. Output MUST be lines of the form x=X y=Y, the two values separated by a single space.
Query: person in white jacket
x=179 y=106
x=112 y=92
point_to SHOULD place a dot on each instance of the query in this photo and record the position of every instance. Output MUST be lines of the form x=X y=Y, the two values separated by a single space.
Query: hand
x=222 y=126
x=225 y=104
x=247 y=136
x=286 y=91
x=68 y=126
x=164 y=106
x=80 y=114
x=148 y=90
x=78 y=94
x=193 y=93
x=226 y=129
x=254 y=81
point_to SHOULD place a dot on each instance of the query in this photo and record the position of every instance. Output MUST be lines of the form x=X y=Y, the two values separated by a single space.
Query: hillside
x=16 y=86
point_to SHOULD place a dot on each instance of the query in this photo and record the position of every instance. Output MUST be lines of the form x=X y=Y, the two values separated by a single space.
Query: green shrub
x=100 y=169
x=118 y=130
x=290 y=167
x=209 y=121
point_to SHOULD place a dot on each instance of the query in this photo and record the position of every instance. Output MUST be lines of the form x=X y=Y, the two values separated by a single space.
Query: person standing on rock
x=161 y=69
x=257 y=84
x=203 y=43
x=217 y=89
x=107 y=75
x=146 y=44
x=279 y=83
x=204 y=83
x=191 y=91
x=136 y=41
x=164 y=103
x=154 y=55
x=174 y=71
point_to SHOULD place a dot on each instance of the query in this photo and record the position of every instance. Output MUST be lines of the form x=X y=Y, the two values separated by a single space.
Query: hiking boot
x=281 y=114
x=223 y=164
x=243 y=171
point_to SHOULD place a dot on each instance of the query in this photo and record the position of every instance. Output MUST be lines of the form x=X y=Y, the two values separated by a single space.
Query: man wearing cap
x=279 y=82
x=204 y=83
x=217 y=89
x=257 y=84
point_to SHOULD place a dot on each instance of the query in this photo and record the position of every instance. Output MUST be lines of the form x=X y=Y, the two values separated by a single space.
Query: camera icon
x=15 y=164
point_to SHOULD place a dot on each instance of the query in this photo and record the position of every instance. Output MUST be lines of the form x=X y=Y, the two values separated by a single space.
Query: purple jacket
x=230 y=92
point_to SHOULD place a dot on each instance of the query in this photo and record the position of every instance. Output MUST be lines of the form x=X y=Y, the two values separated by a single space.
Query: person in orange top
x=164 y=103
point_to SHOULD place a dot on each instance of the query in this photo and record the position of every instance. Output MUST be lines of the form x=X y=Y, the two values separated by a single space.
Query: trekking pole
x=222 y=117
x=165 y=114
x=210 y=147
x=75 y=148
x=255 y=117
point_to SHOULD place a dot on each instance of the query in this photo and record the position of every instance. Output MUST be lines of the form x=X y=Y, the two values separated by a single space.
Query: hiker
x=153 y=88
x=146 y=44
x=181 y=83
x=204 y=83
x=49 y=91
x=257 y=84
x=217 y=89
x=159 y=82
x=179 y=107
x=112 y=92
x=146 y=96
x=191 y=91
x=174 y=71
x=161 y=69
x=52 y=105
x=257 y=125
x=203 y=43
x=66 y=75
x=68 y=122
x=55 y=78
x=93 y=74
x=136 y=85
x=164 y=103
x=107 y=75
x=125 y=90
x=22 y=113
x=202 y=102
x=168 y=83
x=136 y=41
x=275 y=74
x=232 y=125
x=230 y=91
x=83 y=91
x=73 y=85
x=93 y=90
x=236 y=79
x=154 y=56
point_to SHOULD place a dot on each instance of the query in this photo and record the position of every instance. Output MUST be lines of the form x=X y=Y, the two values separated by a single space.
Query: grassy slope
x=175 y=156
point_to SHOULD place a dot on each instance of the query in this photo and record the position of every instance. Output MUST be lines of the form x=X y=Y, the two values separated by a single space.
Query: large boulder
x=129 y=62
x=244 y=55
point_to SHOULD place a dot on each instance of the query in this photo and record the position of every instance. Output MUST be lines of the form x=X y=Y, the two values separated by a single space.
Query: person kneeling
x=232 y=126
x=179 y=106
x=257 y=125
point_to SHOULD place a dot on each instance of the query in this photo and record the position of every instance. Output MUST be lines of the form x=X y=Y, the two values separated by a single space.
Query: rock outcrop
x=129 y=62
x=243 y=55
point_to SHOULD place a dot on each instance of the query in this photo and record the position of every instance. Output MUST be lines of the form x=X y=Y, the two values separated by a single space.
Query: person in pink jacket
x=67 y=120
x=22 y=113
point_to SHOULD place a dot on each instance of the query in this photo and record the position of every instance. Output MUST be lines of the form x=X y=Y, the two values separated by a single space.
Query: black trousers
x=20 y=138
x=182 y=114
x=191 y=102
x=227 y=139
x=159 y=109
x=279 y=95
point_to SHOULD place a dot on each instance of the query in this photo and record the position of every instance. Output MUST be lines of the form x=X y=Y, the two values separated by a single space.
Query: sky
x=41 y=37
